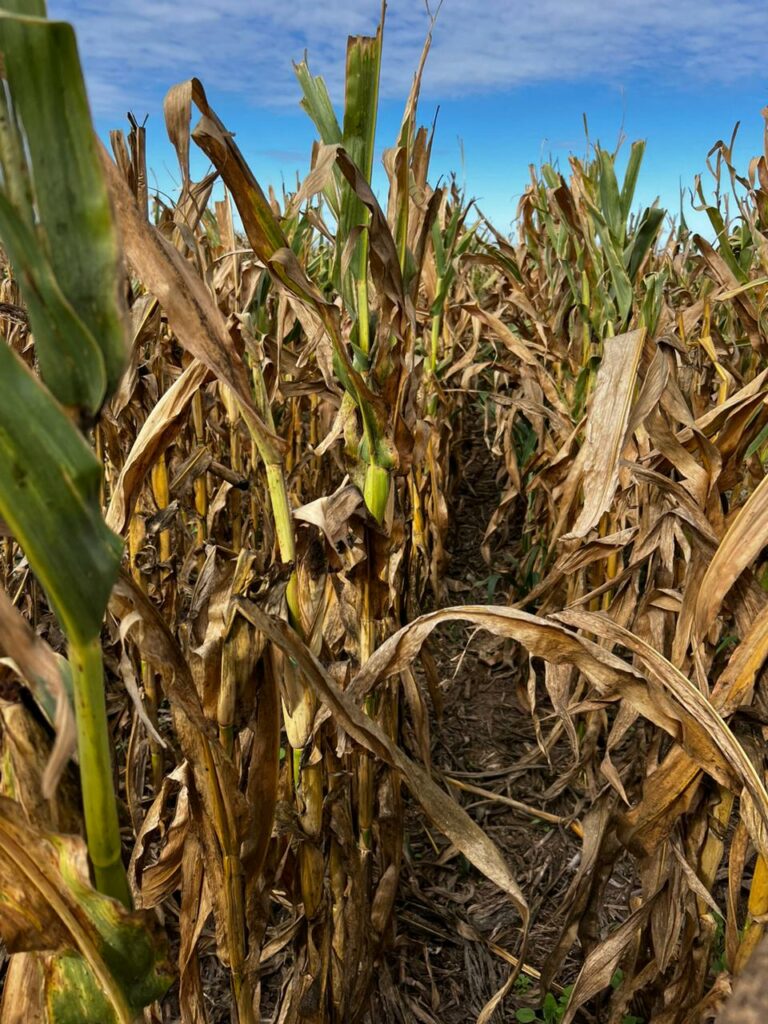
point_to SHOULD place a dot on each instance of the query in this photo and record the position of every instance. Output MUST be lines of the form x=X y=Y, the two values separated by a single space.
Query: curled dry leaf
x=704 y=734
x=331 y=514
x=442 y=810
x=49 y=678
x=158 y=431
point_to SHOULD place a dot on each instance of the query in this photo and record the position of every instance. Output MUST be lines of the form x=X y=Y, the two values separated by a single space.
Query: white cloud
x=134 y=52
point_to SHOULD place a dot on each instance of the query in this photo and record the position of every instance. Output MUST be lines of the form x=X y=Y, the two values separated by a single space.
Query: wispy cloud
x=133 y=52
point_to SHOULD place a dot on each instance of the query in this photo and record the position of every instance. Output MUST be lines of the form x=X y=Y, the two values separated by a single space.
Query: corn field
x=242 y=641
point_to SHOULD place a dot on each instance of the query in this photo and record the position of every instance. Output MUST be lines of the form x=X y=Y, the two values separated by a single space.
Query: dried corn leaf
x=742 y=543
x=607 y=427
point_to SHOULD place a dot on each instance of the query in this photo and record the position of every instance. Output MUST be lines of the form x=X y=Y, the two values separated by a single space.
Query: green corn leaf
x=358 y=139
x=49 y=496
x=550 y=175
x=630 y=179
x=439 y=249
x=643 y=239
x=360 y=110
x=757 y=444
x=447 y=253
x=610 y=200
x=31 y=8
x=75 y=235
x=317 y=103
x=70 y=360
x=132 y=951
x=622 y=286
x=653 y=300
x=724 y=247
x=613 y=256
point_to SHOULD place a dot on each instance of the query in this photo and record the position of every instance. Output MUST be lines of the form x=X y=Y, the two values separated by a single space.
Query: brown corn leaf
x=23 y=999
x=519 y=347
x=607 y=426
x=185 y=300
x=742 y=543
x=157 y=433
x=261 y=225
x=332 y=513
x=44 y=671
x=705 y=735
x=600 y=965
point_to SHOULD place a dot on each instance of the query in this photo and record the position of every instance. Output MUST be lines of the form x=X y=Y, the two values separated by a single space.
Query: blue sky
x=511 y=79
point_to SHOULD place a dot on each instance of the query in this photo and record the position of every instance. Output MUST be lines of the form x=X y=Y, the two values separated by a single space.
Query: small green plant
x=523 y=984
x=550 y=1012
x=553 y=1008
x=718 y=962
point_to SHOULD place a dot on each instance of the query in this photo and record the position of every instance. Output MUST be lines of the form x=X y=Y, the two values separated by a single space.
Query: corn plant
x=247 y=445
